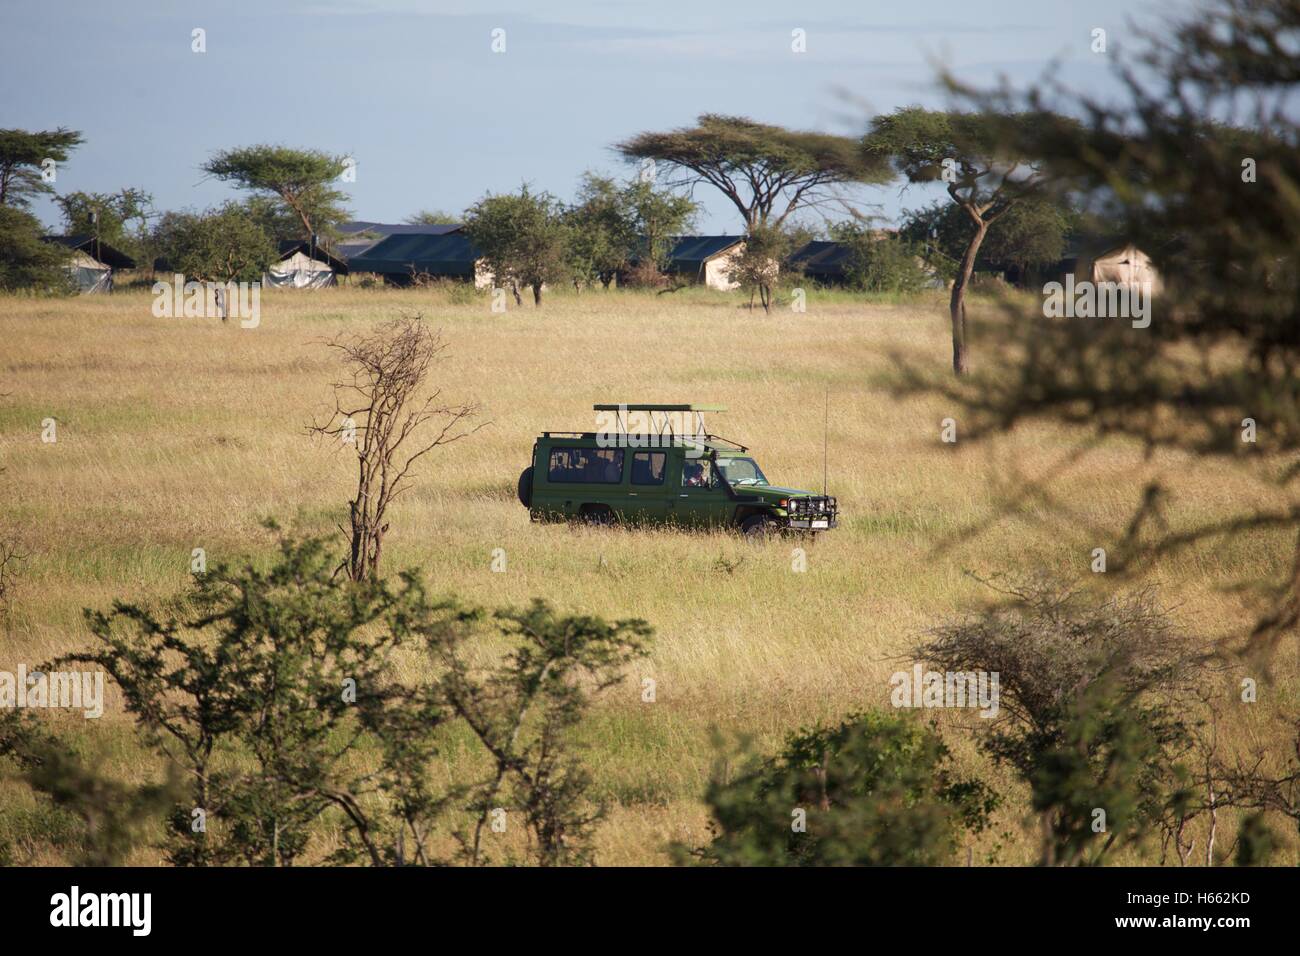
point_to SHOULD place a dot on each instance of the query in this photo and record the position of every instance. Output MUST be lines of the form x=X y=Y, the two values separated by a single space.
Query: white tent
x=91 y=263
x=1125 y=265
x=88 y=274
x=303 y=267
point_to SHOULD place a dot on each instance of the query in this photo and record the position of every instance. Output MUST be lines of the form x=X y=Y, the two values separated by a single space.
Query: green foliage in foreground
x=278 y=699
x=875 y=790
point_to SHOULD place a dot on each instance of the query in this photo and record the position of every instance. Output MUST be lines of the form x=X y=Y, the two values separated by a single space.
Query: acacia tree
x=1031 y=233
x=21 y=157
x=379 y=410
x=615 y=226
x=26 y=262
x=523 y=710
x=1093 y=695
x=1212 y=379
x=298 y=181
x=983 y=174
x=522 y=238
x=261 y=692
x=766 y=171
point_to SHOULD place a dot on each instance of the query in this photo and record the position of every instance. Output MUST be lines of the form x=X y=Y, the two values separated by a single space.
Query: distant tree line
x=531 y=239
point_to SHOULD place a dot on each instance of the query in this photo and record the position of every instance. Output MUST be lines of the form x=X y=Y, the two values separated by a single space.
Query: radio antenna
x=826 y=419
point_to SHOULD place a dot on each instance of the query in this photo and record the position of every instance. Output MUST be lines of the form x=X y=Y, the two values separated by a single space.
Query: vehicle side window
x=697 y=473
x=591 y=466
x=649 y=467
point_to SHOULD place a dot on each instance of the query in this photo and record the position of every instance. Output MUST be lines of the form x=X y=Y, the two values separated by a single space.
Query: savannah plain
x=176 y=434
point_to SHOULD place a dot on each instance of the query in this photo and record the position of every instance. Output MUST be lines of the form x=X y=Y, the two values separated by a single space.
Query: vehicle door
x=700 y=497
x=648 y=485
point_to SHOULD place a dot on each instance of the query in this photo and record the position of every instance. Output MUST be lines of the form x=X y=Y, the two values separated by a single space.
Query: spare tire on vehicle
x=526 y=487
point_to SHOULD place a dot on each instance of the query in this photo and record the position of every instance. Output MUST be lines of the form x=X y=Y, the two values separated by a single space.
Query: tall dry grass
x=175 y=434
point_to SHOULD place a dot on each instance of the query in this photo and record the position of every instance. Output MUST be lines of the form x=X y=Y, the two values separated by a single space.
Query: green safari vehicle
x=663 y=473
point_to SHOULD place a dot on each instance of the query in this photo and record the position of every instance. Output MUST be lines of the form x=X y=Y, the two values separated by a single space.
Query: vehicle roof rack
x=631 y=407
x=664 y=419
x=708 y=439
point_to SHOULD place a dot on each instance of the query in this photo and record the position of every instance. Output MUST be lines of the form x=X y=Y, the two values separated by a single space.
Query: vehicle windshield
x=742 y=471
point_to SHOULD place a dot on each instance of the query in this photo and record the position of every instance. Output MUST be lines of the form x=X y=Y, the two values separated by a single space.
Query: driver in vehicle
x=695 y=474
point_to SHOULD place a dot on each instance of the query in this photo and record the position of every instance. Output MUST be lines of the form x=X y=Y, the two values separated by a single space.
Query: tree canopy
x=120 y=219
x=21 y=157
x=983 y=160
x=766 y=171
x=298 y=180
x=1031 y=233
x=26 y=262
x=1213 y=377
x=432 y=217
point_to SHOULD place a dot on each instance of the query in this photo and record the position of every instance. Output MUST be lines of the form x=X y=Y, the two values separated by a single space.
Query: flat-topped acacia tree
x=298 y=180
x=766 y=171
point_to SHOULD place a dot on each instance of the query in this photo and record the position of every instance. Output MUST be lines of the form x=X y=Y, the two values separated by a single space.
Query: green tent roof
x=447 y=255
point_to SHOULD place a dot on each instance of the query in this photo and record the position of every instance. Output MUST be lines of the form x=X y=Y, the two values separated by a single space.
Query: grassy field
x=182 y=433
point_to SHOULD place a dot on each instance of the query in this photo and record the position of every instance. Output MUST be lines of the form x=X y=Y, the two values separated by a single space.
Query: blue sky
x=435 y=119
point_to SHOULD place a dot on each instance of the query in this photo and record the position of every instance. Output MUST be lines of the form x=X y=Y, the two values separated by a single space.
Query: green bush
x=877 y=263
x=875 y=790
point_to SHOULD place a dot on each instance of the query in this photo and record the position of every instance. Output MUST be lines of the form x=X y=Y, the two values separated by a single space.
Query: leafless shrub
x=378 y=410
x=1048 y=642
x=1099 y=709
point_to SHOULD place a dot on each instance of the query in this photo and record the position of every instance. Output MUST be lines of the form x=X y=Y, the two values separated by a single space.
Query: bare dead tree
x=10 y=556
x=378 y=410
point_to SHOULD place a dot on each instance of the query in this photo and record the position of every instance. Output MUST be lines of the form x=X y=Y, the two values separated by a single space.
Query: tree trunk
x=537 y=293
x=957 y=305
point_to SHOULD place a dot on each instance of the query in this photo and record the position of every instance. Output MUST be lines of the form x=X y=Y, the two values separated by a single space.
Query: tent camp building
x=403 y=258
x=359 y=235
x=303 y=265
x=823 y=261
x=706 y=260
x=1121 y=263
x=91 y=263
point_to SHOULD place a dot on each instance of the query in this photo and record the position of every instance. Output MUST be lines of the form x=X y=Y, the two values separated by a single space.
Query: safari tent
x=303 y=265
x=91 y=263
x=1123 y=264
x=823 y=261
x=706 y=260
x=402 y=258
x=359 y=235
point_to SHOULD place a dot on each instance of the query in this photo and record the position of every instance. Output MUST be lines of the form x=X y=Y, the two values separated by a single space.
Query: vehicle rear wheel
x=758 y=527
x=525 y=490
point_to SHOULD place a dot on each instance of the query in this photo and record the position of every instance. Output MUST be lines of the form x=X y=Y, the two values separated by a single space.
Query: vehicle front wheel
x=758 y=527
